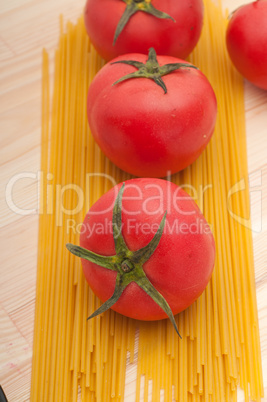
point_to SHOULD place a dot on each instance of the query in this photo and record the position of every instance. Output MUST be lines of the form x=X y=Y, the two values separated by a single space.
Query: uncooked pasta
x=220 y=348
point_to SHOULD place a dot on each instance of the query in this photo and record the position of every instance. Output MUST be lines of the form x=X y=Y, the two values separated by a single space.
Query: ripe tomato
x=150 y=239
x=175 y=36
x=142 y=130
x=246 y=40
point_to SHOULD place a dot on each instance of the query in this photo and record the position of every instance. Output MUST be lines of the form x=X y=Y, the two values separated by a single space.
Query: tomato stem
x=132 y=7
x=151 y=69
x=128 y=264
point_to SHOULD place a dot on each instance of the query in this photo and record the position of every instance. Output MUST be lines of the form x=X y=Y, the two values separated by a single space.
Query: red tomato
x=246 y=39
x=144 y=131
x=181 y=264
x=176 y=38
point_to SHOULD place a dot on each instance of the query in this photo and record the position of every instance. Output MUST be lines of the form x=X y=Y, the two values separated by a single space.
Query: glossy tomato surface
x=144 y=30
x=246 y=39
x=180 y=267
x=144 y=131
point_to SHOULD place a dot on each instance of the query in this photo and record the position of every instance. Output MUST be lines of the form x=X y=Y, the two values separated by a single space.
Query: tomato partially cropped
x=176 y=37
x=246 y=39
x=178 y=265
x=143 y=130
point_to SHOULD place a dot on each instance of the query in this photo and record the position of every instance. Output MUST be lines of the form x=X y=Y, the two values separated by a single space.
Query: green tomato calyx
x=132 y=7
x=151 y=69
x=128 y=264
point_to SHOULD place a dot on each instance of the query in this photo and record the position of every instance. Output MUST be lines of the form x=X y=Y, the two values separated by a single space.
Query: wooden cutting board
x=26 y=26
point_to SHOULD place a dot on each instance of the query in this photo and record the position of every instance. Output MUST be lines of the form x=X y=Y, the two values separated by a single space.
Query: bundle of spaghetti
x=220 y=347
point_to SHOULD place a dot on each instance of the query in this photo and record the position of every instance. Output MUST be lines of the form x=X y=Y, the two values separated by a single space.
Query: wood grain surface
x=26 y=26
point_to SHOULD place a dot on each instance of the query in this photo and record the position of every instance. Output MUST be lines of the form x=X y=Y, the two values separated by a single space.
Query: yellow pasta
x=220 y=346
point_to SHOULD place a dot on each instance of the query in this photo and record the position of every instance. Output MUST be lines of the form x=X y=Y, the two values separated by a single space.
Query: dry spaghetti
x=220 y=348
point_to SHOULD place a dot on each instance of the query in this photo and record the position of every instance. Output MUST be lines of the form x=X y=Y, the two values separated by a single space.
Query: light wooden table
x=26 y=26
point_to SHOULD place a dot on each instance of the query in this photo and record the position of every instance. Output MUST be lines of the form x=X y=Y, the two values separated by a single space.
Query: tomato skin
x=144 y=131
x=246 y=40
x=182 y=263
x=143 y=30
